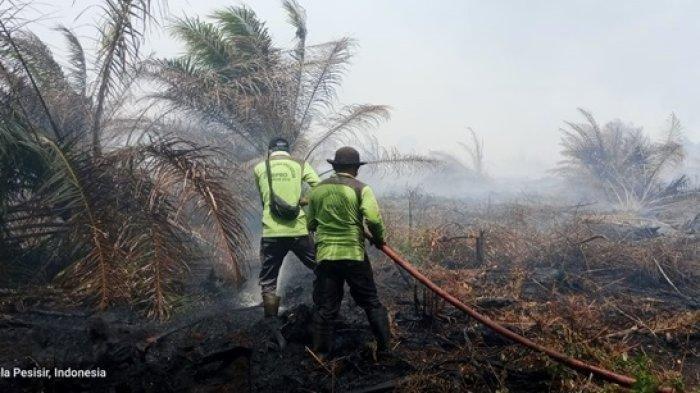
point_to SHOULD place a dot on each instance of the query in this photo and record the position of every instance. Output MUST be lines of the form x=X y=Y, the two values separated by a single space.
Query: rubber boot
x=379 y=323
x=271 y=305
x=322 y=340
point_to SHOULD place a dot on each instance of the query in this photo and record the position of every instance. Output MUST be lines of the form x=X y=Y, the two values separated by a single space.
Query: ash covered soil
x=216 y=346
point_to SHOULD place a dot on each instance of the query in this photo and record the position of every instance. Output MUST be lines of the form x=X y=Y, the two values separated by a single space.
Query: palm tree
x=118 y=224
x=246 y=90
x=475 y=149
x=622 y=161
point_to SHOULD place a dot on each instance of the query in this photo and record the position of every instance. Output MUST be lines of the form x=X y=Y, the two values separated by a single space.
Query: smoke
x=691 y=165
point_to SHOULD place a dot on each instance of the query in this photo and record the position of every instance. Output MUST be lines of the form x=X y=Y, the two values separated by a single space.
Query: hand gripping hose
x=578 y=365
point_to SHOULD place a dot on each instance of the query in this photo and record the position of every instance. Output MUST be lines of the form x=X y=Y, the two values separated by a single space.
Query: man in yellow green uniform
x=338 y=209
x=279 y=179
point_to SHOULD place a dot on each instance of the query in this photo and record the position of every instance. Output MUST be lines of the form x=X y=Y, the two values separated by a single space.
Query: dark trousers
x=272 y=253
x=331 y=277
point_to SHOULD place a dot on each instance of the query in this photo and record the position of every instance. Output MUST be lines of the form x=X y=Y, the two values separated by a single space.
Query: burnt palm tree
x=622 y=161
x=115 y=224
x=475 y=149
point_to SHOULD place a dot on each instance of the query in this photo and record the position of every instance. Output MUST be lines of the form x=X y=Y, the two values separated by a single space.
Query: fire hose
x=575 y=364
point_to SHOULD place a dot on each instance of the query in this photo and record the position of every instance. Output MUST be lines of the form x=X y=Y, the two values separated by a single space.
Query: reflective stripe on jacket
x=286 y=182
x=336 y=217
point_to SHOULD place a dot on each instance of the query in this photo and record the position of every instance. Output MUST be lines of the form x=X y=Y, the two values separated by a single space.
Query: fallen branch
x=590 y=239
x=636 y=330
x=318 y=360
x=330 y=370
x=663 y=273
x=633 y=319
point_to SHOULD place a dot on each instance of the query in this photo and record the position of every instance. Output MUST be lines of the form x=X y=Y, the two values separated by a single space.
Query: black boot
x=379 y=323
x=322 y=339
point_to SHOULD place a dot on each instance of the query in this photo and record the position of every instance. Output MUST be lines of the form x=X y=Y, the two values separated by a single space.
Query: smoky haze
x=511 y=70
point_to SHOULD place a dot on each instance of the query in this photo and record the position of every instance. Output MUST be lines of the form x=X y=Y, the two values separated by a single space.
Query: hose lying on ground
x=573 y=363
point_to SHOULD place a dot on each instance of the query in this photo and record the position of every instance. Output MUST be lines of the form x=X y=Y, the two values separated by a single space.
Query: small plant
x=640 y=369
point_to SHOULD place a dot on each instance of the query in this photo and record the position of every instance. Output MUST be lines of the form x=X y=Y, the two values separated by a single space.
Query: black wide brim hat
x=346 y=156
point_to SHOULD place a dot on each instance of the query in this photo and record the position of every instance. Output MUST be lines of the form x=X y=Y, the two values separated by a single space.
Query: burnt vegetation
x=622 y=162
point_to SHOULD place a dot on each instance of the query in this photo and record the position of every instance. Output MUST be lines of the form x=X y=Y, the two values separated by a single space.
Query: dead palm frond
x=81 y=188
x=321 y=78
x=196 y=183
x=348 y=121
x=381 y=160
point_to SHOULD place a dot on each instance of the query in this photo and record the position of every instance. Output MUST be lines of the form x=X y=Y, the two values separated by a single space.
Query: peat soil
x=222 y=347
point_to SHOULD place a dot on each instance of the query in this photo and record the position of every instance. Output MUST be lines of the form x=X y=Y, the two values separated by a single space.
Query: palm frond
x=204 y=185
x=78 y=71
x=241 y=26
x=297 y=17
x=121 y=35
x=76 y=186
x=322 y=76
x=38 y=58
x=350 y=120
x=8 y=40
x=159 y=253
x=204 y=41
x=665 y=154
x=200 y=92
x=382 y=160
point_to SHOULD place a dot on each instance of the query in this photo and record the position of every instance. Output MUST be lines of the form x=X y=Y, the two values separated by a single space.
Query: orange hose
x=622 y=380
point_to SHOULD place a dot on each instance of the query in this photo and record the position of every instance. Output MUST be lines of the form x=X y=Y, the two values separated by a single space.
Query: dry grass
x=617 y=301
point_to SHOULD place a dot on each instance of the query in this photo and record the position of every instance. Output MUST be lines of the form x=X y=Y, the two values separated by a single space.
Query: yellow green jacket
x=287 y=176
x=336 y=217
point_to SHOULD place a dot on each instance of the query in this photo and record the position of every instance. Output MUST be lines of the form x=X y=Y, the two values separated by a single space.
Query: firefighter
x=279 y=179
x=338 y=209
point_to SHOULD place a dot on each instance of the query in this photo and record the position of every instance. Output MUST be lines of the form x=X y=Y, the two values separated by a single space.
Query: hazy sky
x=512 y=70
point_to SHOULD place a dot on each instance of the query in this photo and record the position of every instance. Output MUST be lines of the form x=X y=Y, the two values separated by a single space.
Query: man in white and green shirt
x=282 y=234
